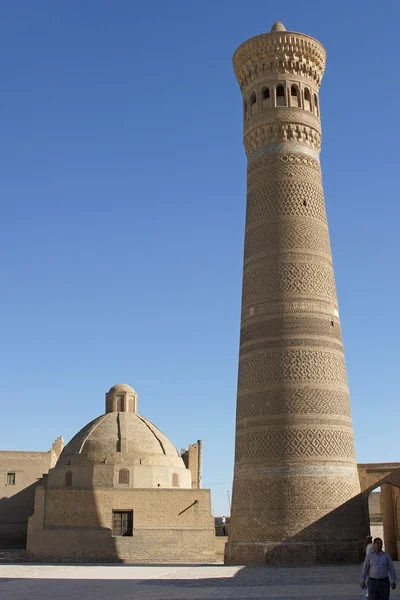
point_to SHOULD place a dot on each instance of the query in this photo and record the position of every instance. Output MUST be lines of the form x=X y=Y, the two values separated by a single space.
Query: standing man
x=368 y=545
x=223 y=521
x=377 y=567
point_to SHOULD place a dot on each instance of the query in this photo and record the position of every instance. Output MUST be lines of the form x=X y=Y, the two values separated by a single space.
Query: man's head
x=378 y=545
x=368 y=539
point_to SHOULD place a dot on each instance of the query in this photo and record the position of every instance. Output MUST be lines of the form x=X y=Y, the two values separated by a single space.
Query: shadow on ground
x=177 y=582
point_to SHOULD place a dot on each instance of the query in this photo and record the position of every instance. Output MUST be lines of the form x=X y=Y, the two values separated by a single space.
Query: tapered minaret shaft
x=294 y=457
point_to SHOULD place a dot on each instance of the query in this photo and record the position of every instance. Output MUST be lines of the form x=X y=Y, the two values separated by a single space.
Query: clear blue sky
x=123 y=199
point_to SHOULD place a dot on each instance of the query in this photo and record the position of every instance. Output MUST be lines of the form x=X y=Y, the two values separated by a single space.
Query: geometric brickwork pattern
x=267 y=164
x=284 y=199
x=268 y=282
x=304 y=234
x=261 y=168
x=290 y=366
x=293 y=443
x=287 y=401
x=277 y=492
x=293 y=411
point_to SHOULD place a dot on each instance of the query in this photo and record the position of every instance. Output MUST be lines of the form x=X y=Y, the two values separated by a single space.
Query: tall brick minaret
x=294 y=458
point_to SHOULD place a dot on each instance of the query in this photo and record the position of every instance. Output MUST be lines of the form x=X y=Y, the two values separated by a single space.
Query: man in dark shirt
x=377 y=565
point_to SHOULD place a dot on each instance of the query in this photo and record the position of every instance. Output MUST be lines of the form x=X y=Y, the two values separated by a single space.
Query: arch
x=280 y=91
x=68 y=478
x=280 y=95
x=123 y=476
x=294 y=95
x=316 y=108
x=266 y=97
x=175 y=480
x=265 y=93
x=253 y=103
x=307 y=99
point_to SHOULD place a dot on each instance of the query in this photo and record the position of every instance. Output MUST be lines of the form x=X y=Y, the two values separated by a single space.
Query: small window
x=120 y=403
x=307 y=99
x=280 y=91
x=122 y=523
x=265 y=93
x=304 y=202
x=123 y=476
x=175 y=480
x=10 y=478
x=68 y=478
x=293 y=90
x=253 y=98
x=316 y=105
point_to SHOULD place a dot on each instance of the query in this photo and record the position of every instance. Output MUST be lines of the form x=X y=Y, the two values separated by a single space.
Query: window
x=122 y=523
x=120 y=403
x=294 y=96
x=265 y=93
x=175 y=480
x=10 y=478
x=280 y=96
x=307 y=99
x=123 y=476
x=316 y=105
x=253 y=98
x=68 y=478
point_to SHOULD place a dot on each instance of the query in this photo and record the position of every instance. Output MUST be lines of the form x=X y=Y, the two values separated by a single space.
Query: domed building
x=121 y=491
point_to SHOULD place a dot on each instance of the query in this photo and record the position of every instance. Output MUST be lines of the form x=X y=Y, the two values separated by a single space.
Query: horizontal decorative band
x=296 y=471
x=284 y=147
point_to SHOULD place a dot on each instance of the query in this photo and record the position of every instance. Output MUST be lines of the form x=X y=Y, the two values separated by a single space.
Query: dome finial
x=121 y=398
x=278 y=26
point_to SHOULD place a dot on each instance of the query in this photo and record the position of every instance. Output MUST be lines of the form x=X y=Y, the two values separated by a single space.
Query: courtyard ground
x=178 y=582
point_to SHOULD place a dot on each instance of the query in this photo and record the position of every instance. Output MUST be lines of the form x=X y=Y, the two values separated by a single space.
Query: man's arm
x=391 y=569
x=365 y=570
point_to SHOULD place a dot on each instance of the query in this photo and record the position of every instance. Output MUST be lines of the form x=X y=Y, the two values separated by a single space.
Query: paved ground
x=192 y=582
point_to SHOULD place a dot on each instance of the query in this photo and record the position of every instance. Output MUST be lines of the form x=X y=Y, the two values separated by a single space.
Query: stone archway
x=387 y=476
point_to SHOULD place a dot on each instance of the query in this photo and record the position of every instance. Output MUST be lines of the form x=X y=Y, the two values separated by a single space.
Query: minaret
x=294 y=455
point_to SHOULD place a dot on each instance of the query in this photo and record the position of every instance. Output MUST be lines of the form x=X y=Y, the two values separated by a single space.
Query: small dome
x=122 y=387
x=278 y=26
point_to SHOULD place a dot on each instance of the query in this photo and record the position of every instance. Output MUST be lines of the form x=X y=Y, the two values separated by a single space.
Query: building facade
x=295 y=466
x=19 y=473
x=121 y=492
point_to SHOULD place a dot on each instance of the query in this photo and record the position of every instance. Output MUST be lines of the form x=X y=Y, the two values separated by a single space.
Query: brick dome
x=120 y=437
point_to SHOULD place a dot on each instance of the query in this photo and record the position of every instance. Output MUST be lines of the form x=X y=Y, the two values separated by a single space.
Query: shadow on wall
x=344 y=528
x=68 y=524
x=14 y=513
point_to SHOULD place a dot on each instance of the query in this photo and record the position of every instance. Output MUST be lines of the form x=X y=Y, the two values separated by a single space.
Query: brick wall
x=16 y=500
x=169 y=526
